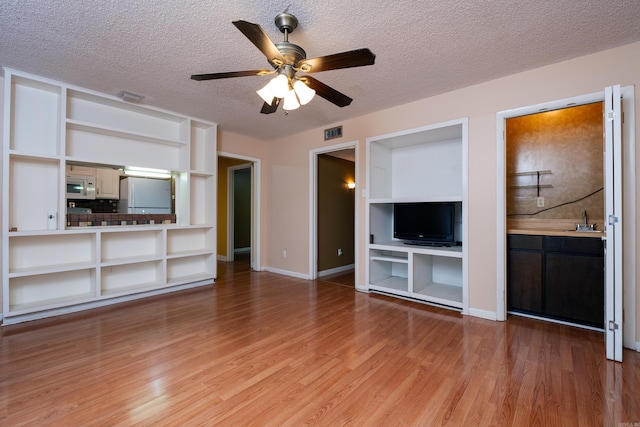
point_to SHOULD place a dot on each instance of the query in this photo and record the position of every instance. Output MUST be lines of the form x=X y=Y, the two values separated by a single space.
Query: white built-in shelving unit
x=53 y=270
x=426 y=164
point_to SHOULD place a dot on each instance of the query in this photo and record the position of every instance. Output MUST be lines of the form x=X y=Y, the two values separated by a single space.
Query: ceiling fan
x=287 y=59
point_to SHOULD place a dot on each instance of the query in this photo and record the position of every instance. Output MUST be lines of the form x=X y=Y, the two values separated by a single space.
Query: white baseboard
x=288 y=273
x=222 y=258
x=362 y=288
x=638 y=347
x=336 y=270
x=95 y=304
x=484 y=314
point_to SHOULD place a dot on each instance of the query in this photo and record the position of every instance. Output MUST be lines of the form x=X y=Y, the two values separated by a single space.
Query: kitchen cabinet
x=524 y=274
x=79 y=170
x=574 y=279
x=425 y=164
x=557 y=277
x=107 y=184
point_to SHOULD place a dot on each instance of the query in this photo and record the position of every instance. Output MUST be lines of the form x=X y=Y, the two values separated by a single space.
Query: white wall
x=286 y=168
x=285 y=173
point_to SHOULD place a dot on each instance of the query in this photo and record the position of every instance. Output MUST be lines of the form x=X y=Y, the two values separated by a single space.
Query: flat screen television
x=430 y=223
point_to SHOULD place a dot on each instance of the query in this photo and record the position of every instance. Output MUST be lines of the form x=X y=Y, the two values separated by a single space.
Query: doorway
x=627 y=181
x=239 y=210
x=333 y=210
x=549 y=187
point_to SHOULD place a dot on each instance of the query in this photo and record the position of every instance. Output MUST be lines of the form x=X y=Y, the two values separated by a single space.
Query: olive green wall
x=242 y=208
x=336 y=205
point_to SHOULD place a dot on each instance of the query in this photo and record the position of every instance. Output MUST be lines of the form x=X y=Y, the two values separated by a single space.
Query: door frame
x=313 y=203
x=255 y=206
x=629 y=191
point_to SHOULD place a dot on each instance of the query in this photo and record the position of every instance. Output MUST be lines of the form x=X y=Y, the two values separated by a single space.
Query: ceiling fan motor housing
x=292 y=53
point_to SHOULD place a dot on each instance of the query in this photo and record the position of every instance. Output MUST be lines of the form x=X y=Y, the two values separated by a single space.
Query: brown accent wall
x=336 y=206
x=569 y=143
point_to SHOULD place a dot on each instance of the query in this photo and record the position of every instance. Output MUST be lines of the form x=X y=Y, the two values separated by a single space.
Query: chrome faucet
x=585 y=225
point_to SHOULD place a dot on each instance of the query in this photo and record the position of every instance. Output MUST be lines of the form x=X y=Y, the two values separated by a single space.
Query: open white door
x=613 y=206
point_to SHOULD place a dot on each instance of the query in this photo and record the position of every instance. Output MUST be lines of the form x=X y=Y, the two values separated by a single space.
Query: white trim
x=313 y=201
x=287 y=273
x=629 y=212
x=222 y=258
x=483 y=314
x=501 y=219
x=465 y=218
x=95 y=304
x=255 y=203
x=336 y=270
x=629 y=195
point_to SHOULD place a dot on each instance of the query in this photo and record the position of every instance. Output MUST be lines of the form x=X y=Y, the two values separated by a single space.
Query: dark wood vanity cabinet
x=557 y=277
x=524 y=273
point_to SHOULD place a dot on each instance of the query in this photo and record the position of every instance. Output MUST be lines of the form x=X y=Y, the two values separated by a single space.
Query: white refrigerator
x=145 y=196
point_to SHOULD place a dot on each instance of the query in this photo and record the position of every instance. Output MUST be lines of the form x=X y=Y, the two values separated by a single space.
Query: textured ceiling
x=422 y=48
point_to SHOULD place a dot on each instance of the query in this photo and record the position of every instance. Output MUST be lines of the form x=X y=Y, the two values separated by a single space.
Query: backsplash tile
x=110 y=219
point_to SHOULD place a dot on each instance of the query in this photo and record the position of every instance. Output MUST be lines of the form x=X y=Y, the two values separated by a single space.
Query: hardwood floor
x=263 y=349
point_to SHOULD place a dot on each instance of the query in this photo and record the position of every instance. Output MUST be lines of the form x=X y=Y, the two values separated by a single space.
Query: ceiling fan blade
x=261 y=40
x=328 y=93
x=215 y=76
x=353 y=58
x=268 y=109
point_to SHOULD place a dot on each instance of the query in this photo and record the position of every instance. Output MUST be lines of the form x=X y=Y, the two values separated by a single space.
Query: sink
x=585 y=230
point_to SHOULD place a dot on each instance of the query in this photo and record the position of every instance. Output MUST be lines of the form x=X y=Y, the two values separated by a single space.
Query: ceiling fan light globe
x=304 y=92
x=279 y=86
x=266 y=93
x=291 y=101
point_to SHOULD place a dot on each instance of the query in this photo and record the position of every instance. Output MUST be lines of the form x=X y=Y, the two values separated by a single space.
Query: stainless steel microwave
x=81 y=187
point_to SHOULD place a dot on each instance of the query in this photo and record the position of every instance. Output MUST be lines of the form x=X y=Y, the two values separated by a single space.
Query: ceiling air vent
x=333 y=133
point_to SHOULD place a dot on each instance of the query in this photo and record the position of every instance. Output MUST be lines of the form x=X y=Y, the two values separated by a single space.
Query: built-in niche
x=554 y=164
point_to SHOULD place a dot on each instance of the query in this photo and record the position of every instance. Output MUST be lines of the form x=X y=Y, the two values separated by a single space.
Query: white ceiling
x=422 y=48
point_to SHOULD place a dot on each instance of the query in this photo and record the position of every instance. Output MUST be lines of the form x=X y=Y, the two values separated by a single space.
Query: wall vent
x=333 y=133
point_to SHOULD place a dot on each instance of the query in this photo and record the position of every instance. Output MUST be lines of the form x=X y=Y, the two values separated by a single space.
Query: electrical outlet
x=540 y=202
x=339 y=252
x=284 y=254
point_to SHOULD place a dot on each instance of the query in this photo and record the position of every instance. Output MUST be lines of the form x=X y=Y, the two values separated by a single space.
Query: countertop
x=551 y=232
x=552 y=227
